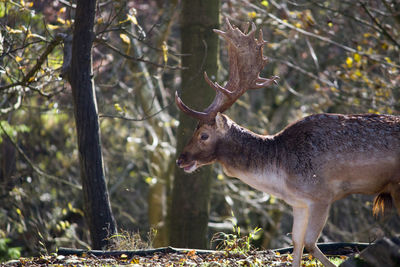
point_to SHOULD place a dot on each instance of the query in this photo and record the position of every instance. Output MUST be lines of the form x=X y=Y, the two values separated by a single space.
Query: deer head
x=246 y=61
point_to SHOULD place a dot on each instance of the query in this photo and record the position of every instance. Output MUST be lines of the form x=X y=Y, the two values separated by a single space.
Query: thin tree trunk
x=189 y=211
x=98 y=213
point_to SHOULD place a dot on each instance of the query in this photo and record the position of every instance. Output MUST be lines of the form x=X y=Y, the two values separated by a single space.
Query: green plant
x=235 y=243
x=6 y=252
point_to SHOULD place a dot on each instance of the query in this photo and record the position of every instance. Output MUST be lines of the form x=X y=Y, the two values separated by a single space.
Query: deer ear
x=222 y=122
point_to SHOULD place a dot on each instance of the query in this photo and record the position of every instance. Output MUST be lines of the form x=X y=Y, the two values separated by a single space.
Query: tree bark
x=97 y=206
x=189 y=211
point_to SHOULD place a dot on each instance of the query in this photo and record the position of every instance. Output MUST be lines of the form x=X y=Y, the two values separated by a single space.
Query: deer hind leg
x=318 y=214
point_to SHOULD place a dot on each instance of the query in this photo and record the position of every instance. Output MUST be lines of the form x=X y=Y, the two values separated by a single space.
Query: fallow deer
x=310 y=164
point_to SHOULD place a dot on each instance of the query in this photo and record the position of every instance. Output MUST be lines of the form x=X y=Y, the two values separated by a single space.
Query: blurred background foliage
x=332 y=56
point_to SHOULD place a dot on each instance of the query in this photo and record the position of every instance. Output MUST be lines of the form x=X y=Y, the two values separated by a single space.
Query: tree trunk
x=189 y=209
x=97 y=205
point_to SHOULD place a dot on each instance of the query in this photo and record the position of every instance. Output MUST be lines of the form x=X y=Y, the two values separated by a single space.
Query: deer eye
x=204 y=136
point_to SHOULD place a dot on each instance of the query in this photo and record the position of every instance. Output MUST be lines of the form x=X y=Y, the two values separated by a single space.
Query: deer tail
x=382 y=201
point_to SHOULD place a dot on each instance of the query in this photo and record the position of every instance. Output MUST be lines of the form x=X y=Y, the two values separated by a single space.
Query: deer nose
x=181 y=159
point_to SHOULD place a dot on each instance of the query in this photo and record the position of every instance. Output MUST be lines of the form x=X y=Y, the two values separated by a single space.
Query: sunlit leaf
x=132 y=18
x=388 y=60
x=252 y=14
x=60 y=20
x=165 y=51
x=13 y=31
x=18 y=58
x=52 y=27
x=125 y=38
x=349 y=62
x=357 y=57
x=62 y=10
x=117 y=107
x=2 y=10
x=265 y=3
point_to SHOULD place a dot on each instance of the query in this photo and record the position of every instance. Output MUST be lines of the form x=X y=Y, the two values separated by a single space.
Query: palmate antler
x=246 y=61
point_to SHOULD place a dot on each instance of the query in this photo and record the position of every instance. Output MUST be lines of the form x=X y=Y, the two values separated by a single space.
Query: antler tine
x=193 y=113
x=216 y=86
x=252 y=31
x=261 y=40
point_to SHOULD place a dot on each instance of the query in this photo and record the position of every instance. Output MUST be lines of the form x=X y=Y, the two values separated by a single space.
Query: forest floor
x=188 y=258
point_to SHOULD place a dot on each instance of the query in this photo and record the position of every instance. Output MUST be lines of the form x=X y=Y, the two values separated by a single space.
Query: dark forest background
x=331 y=56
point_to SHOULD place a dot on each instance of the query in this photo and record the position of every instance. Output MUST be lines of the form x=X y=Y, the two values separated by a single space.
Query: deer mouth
x=190 y=167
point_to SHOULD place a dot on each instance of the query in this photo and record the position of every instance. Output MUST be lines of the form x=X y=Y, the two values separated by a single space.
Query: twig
x=135 y=119
x=141 y=59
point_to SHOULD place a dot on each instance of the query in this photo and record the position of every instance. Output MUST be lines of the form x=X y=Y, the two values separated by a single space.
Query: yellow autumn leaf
x=388 y=60
x=132 y=18
x=60 y=20
x=18 y=58
x=265 y=3
x=358 y=73
x=31 y=79
x=164 y=48
x=349 y=62
x=125 y=38
x=117 y=107
x=62 y=10
x=12 y=31
x=135 y=261
x=357 y=57
x=52 y=27
x=252 y=14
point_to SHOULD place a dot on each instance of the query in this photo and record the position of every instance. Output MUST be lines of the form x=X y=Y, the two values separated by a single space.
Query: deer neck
x=253 y=158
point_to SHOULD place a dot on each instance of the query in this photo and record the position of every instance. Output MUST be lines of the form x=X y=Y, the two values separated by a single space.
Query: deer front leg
x=317 y=215
x=300 y=221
